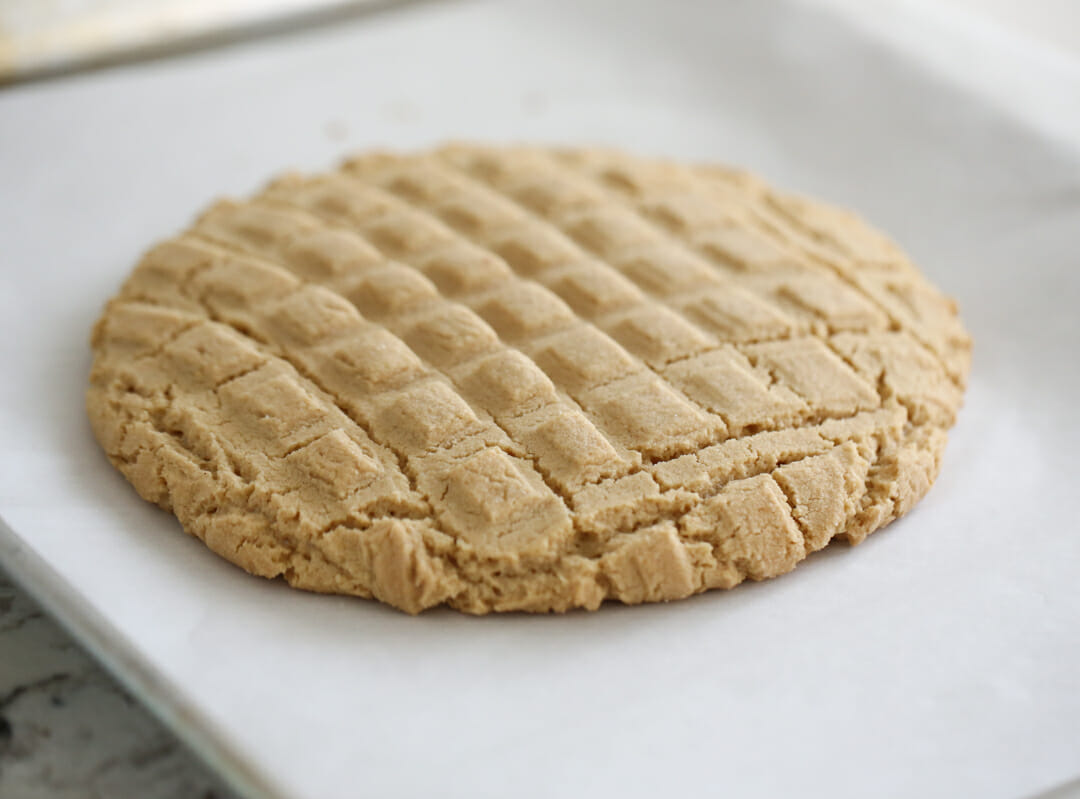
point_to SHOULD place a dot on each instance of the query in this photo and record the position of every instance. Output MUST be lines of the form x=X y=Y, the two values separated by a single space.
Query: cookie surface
x=526 y=379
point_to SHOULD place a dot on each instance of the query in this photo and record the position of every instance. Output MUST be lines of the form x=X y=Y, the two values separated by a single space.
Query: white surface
x=1056 y=22
x=1016 y=74
x=938 y=659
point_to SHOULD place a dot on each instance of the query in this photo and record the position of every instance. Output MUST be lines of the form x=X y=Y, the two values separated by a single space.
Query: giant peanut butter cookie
x=526 y=379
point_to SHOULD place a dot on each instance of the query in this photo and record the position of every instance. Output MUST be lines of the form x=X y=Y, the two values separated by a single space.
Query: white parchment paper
x=938 y=659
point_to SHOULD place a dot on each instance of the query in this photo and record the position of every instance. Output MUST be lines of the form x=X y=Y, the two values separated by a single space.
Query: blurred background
x=47 y=36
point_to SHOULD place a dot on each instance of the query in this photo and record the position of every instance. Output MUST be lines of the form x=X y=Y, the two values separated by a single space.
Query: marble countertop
x=69 y=731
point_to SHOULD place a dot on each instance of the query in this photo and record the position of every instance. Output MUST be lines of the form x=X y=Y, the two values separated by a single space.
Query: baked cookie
x=526 y=379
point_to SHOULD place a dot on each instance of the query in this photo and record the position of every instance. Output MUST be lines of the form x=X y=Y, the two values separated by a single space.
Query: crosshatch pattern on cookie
x=526 y=379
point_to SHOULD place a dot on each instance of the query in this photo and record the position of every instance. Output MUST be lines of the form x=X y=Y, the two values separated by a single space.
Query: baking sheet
x=938 y=659
x=45 y=36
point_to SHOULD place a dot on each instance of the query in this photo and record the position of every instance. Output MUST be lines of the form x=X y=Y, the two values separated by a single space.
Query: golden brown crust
x=526 y=379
